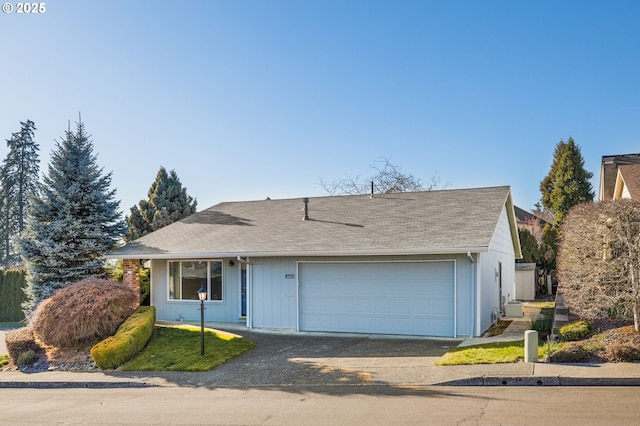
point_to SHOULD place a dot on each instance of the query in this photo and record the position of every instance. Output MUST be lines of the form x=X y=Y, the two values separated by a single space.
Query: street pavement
x=297 y=359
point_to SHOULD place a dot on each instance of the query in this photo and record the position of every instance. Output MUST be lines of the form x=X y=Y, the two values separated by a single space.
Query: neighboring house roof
x=609 y=173
x=524 y=217
x=447 y=221
x=627 y=182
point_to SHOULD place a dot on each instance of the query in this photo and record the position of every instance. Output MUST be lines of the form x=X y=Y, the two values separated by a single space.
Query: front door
x=243 y=289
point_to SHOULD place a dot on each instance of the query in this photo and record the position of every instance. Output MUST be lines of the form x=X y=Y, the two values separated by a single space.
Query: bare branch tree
x=388 y=178
x=599 y=260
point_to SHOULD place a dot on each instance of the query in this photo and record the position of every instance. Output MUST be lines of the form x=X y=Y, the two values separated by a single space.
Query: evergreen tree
x=18 y=184
x=168 y=202
x=549 y=249
x=529 y=245
x=73 y=222
x=567 y=183
x=546 y=186
x=6 y=224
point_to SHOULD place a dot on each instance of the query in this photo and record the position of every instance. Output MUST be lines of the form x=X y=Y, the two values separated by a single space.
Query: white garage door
x=412 y=298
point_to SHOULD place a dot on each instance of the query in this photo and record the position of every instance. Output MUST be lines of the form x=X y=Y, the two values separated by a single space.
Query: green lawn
x=178 y=349
x=491 y=353
x=541 y=305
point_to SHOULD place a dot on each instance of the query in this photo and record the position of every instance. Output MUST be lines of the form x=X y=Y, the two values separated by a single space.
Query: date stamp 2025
x=24 y=8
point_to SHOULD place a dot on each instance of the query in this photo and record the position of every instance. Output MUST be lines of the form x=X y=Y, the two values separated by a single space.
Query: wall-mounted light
x=231 y=262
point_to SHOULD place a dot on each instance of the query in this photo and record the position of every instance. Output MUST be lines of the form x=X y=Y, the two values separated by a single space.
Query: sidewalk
x=363 y=369
x=513 y=333
x=520 y=374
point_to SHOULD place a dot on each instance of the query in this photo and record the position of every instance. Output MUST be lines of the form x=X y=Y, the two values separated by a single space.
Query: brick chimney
x=131 y=275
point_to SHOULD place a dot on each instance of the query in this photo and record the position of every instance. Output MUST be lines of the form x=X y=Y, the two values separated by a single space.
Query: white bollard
x=530 y=346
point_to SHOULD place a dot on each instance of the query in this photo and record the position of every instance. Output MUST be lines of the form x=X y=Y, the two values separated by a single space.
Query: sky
x=249 y=99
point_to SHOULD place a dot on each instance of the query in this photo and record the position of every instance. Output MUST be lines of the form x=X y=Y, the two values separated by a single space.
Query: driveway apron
x=307 y=359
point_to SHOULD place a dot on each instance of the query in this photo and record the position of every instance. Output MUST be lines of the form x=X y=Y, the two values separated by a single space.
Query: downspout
x=478 y=295
x=250 y=295
x=474 y=304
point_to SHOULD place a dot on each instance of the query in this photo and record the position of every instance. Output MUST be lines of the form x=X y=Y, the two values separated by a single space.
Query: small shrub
x=543 y=322
x=27 y=358
x=20 y=341
x=571 y=352
x=83 y=313
x=131 y=338
x=145 y=287
x=622 y=352
x=576 y=330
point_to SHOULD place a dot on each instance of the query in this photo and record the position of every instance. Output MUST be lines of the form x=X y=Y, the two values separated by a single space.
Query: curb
x=543 y=381
x=74 y=385
x=471 y=381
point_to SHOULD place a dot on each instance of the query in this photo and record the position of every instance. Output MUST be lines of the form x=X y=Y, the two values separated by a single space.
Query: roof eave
x=513 y=226
x=331 y=253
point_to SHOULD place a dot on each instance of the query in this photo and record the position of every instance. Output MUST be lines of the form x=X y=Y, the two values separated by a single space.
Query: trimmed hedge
x=131 y=338
x=576 y=330
x=12 y=283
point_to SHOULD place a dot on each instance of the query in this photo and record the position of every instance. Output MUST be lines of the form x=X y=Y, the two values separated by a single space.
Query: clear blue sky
x=249 y=99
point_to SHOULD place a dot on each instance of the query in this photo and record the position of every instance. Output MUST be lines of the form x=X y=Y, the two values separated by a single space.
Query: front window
x=186 y=278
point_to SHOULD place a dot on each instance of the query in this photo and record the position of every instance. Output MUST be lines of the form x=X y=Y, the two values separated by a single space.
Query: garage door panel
x=392 y=298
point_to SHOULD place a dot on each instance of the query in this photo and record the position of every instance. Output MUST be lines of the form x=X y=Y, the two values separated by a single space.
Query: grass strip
x=492 y=353
x=177 y=348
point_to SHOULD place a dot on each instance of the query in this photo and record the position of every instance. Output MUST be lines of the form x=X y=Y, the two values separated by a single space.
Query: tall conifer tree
x=567 y=183
x=18 y=184
x=168 y=202
x=73 y=222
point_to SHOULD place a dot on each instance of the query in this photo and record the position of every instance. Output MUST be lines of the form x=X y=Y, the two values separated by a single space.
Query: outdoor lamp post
x=202 y=295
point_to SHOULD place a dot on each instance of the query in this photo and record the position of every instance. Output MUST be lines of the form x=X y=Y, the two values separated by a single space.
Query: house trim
x=217 y=255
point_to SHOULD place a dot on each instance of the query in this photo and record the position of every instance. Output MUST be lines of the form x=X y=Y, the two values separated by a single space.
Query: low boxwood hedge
x=131 y=338
x=576 y=330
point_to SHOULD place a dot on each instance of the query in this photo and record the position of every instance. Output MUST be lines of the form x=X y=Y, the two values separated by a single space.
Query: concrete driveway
x=286 y=358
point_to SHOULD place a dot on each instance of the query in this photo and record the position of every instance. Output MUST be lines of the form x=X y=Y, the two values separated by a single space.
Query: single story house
x=435 y=263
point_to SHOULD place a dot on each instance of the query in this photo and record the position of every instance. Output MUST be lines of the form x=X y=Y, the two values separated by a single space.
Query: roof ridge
x=433 y=191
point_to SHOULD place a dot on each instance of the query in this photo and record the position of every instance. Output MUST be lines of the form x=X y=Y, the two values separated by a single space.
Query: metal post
x=202 y=327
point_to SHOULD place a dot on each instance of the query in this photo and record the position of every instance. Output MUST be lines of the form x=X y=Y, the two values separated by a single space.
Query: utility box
x=530 y=346
x=513 y=310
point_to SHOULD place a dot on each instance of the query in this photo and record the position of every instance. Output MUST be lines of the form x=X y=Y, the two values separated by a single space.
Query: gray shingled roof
x=447 y=221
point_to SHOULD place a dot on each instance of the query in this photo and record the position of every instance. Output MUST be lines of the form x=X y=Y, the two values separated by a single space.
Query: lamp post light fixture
x=202 y=295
